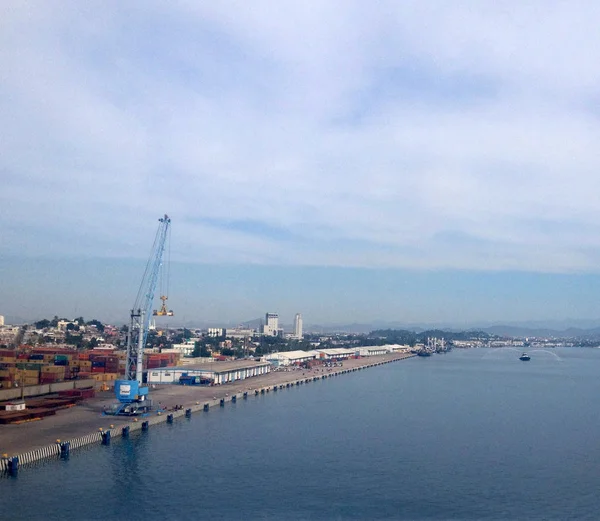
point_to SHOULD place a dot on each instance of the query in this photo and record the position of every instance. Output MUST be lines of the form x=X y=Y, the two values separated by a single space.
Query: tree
x=41 y=324
x=201 y=350
x=75 y=340
x=98 y=324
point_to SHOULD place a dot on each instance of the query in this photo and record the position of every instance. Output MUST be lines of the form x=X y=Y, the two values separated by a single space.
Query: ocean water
x=473 y=434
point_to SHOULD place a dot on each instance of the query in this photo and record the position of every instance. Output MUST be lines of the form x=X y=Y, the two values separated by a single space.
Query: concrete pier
x=26 y=442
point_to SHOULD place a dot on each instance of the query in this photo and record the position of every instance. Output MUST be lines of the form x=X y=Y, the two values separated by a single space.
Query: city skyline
x=410 y=163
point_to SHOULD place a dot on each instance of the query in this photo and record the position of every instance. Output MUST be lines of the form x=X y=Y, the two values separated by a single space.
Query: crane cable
x=165 y=268
x=168 y=261
x=146 y=276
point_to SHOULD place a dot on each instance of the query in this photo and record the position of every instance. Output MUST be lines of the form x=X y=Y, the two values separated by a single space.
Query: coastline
x=85 y=423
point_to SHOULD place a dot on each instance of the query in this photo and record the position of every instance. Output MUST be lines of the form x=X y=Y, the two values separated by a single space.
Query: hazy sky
x=412 y=161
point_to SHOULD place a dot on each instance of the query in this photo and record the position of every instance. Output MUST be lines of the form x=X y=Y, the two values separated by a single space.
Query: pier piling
x=13 y=465
x=65 y=449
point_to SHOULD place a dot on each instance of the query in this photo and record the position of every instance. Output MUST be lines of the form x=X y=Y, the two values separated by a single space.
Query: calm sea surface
x=473 y=434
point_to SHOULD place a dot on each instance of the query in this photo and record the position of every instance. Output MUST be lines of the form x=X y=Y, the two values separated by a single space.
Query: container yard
x=29 y=366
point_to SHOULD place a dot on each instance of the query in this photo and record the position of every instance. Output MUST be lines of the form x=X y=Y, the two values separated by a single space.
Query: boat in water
x=423 y=352
x=525 y=357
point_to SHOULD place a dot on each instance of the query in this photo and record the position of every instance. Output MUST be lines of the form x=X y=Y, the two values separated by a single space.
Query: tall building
x=271 y=325
x=298 y=326
x=1 y=320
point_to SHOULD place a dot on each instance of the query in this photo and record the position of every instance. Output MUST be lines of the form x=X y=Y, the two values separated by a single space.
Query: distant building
x=271 y=326
x=1 y=320
x=239 y=332
x=215 y=331
x=298 y=326
x=186 y=348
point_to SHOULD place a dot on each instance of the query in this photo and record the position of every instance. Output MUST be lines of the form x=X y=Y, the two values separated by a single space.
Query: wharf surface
x=85 y=422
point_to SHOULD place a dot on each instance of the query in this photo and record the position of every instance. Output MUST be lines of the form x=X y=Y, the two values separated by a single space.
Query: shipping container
x=28 y=365
x=55 y=369
x=46 y=380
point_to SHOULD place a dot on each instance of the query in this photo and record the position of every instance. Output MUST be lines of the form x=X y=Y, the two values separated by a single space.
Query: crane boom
x=142 y=307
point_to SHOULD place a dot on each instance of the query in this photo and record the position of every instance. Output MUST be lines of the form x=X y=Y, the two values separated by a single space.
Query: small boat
x=525 y=357
x=423 y=352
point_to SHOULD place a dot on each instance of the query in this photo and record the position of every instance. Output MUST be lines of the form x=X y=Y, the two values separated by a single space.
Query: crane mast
x=142 y=307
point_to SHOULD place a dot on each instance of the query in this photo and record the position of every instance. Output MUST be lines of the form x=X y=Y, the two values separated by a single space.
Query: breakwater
x=62 y=448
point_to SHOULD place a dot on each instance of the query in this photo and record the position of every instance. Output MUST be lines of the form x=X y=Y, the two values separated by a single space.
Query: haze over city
x=421 y=162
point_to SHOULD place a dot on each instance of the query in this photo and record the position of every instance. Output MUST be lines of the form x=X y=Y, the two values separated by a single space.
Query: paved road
x=88 y=416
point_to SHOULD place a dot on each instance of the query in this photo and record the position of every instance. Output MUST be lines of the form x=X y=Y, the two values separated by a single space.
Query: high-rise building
x=1 y=320
x=271 y=325
x=298 y=326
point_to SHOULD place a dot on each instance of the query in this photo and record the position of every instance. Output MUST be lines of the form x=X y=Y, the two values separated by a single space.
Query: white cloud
x=419 y=134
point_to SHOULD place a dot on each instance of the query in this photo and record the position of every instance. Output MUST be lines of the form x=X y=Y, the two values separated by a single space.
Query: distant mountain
x=507 y=330
x=524 y=332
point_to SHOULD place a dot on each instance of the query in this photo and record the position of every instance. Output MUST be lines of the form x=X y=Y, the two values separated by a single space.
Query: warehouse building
x=286 y=358
x=336 y=353
x=373 y=350
x=217 y=373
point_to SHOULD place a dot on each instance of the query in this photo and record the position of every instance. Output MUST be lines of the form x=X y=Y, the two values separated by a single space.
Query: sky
x=403 y=161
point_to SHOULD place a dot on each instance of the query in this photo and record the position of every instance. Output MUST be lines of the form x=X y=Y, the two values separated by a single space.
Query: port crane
x=131 y=393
